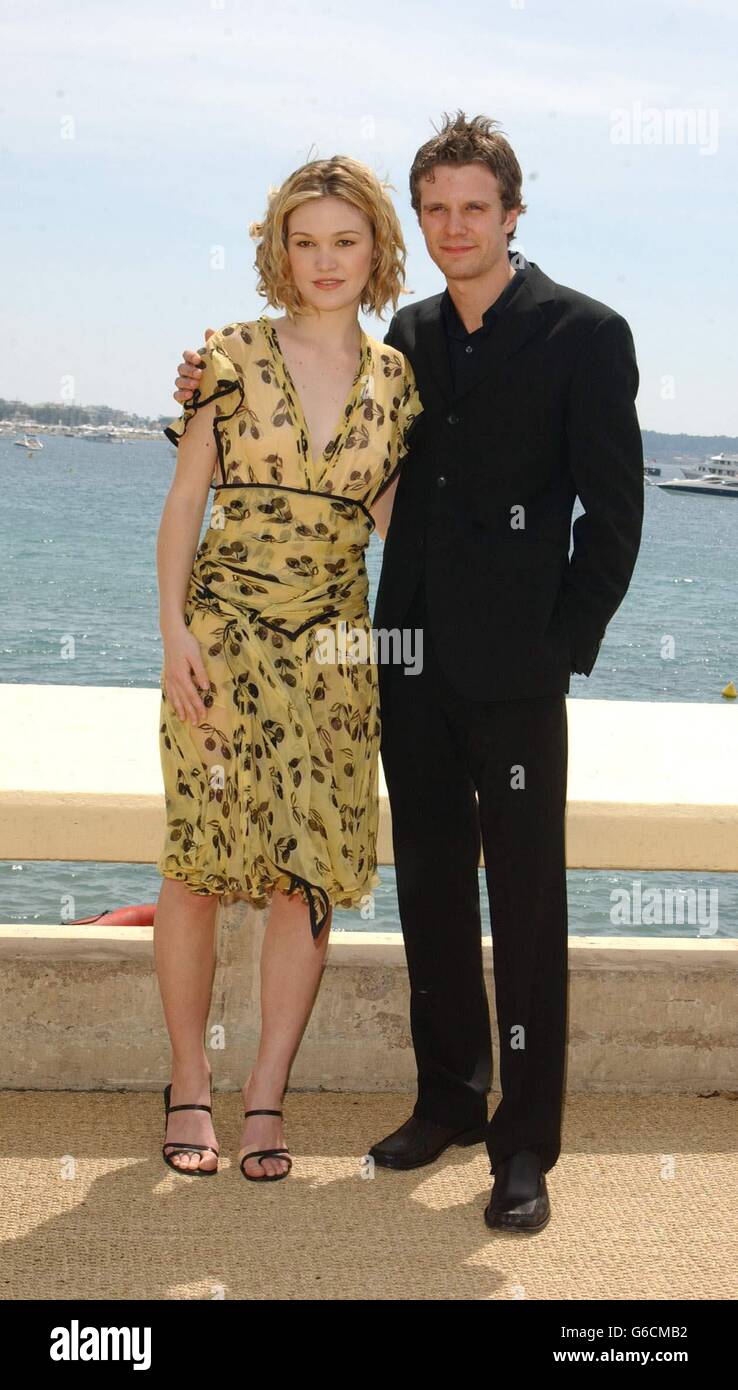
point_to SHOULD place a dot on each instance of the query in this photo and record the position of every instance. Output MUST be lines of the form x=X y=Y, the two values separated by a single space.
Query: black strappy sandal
x=189 y=1148
x=264 y=1153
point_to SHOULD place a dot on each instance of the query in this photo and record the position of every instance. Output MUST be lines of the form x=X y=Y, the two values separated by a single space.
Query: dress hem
x=301 y=886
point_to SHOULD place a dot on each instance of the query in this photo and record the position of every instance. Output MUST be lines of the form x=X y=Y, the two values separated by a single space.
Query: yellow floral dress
x=278 y=786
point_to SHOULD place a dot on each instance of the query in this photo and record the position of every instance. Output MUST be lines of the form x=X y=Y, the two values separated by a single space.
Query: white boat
x=29 y=441
x=715 y=465
x=712 y=485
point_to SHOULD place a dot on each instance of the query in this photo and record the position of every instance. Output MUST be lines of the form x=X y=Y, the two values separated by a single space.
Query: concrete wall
x=80 y=1009
x=651 y=786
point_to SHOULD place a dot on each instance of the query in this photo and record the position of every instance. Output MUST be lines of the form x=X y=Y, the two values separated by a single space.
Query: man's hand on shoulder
x=189 y=371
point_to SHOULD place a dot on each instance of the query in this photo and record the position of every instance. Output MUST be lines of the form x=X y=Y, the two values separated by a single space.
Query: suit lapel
x=431 y=343
x=519 y=321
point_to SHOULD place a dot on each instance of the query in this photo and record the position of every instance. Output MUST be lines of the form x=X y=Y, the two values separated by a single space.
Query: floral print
x=278 y=786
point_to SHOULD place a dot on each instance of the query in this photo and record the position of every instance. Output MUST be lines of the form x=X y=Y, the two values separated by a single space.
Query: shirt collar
x=453 y=325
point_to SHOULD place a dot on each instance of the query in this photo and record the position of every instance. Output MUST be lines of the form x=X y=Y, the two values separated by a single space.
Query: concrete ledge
x=651 y=785
x=81 y=1010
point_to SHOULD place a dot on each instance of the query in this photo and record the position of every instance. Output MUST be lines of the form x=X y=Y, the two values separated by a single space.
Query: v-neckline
x=336 y=439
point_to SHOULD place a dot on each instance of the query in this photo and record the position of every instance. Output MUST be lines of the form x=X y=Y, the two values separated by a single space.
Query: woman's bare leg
x=184 y=955
x=291 y=964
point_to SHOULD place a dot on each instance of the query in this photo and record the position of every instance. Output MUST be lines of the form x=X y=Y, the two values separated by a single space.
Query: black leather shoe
x=519 y=1200
x=421 y=1141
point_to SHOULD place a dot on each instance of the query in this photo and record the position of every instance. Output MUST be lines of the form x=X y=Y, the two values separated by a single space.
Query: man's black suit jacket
x=485 y=496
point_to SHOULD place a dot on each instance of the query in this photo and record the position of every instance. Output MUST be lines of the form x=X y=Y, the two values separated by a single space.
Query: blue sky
x=182 y=114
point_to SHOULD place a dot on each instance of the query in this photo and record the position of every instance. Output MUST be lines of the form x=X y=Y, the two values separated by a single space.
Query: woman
x=269 y=752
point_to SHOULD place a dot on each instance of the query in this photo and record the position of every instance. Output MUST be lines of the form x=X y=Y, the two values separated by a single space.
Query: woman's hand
x=183 y=661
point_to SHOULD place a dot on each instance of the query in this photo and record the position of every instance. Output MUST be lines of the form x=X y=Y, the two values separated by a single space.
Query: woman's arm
x=382 y=508
x=179 y=532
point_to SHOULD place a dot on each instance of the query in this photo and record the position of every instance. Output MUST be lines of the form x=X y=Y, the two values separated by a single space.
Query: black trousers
x=439 y=748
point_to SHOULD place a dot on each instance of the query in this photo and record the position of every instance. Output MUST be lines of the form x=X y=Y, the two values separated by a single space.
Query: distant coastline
x=685 y=448
x=103 y=422
x=116 y=426
x=99 y=422
x=103 y=433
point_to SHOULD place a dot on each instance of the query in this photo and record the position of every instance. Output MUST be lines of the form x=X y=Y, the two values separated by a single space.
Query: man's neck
x=472 y=298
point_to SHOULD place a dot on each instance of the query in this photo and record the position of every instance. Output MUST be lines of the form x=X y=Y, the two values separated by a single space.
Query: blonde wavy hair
x=338 y=177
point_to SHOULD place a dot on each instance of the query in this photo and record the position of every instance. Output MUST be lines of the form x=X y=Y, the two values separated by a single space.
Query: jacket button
x=452 y=419
x=441 y=481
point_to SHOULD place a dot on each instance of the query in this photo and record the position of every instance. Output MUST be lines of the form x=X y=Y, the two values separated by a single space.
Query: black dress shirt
x=462 y=345
x=461 y=351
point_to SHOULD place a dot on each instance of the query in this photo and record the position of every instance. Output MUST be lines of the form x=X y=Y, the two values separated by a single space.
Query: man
x=528 y=390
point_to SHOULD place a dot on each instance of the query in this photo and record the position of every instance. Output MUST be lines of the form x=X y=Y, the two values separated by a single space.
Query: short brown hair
x=339 y=177
x=460 y=141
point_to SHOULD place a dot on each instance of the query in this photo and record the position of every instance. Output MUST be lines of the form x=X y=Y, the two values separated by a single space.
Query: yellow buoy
x=729 y=691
